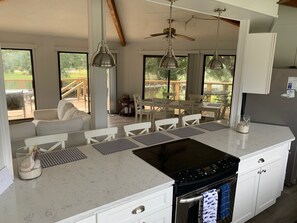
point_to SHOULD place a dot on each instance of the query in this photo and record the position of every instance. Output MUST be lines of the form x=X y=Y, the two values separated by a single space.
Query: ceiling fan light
x=216 y=63
x=103 y=58
x=168 y=61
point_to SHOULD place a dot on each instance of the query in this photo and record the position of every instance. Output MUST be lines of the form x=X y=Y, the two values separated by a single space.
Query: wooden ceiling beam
x=116 y=20
x=292 y=3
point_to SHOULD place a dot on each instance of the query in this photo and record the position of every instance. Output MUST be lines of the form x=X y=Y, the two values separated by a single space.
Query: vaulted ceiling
x=139 y=19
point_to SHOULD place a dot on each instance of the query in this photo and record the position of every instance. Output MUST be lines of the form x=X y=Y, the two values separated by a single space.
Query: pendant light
x=216 y=62
x=103 y=57
x=169 y=61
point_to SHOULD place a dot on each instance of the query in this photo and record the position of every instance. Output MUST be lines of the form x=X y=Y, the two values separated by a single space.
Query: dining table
x=182 y=106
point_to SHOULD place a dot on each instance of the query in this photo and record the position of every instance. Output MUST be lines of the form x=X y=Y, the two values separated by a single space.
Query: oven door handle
x=192 y=199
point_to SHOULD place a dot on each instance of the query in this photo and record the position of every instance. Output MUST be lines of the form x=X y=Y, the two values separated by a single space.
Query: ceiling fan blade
x=158 y=34
x=185 y=37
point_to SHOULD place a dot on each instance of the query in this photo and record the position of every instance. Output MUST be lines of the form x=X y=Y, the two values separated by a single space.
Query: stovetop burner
x=189 y=162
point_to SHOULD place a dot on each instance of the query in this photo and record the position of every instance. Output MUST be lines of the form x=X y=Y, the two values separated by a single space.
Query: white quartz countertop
x=260 y=138
x=72 y=191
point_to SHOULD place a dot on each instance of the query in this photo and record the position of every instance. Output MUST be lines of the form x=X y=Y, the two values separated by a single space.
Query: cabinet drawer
x=138 y=209
x=261 y=159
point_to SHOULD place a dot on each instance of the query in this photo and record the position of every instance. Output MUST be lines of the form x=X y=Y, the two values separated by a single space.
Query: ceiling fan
x=173 y=33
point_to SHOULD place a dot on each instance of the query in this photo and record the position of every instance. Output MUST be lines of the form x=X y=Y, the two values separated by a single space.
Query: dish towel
x=225 y=201
x=210 y=206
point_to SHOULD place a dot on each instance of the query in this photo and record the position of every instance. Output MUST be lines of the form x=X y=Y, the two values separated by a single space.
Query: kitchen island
x=82 y=191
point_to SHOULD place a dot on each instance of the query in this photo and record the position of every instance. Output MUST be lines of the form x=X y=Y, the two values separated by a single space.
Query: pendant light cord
x=170 y=41
x=102 y=23
x=218 y=30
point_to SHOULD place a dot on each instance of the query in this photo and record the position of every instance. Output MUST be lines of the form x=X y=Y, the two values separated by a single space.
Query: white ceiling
x=139 y=18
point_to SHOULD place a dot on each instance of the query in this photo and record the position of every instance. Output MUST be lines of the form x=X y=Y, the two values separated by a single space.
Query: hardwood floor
x=285 y=209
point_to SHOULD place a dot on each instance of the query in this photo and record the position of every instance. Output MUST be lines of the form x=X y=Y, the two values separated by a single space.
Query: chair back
x=170 y=96
x=166 y=124
x=191 y=119
x=58 y=139
x=137 y=128
x=196 y=98
x=106 y=134
x=137 y=101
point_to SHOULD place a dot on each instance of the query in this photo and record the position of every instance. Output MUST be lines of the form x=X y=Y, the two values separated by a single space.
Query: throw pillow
x=69 y=113
x=63 y=106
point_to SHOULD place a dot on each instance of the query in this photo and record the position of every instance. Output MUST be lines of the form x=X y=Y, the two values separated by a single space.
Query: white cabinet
x=268 y=185
x=260 y=182
x=163 y=216
x=91 y=219
x=258 y=62
x=153 y=208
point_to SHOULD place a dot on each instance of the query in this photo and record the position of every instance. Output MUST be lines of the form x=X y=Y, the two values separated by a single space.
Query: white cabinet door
x=268 y=185
x=246 y=196
x=258 y=62
x=135 y=210
x=91 y=219
x=163 y=216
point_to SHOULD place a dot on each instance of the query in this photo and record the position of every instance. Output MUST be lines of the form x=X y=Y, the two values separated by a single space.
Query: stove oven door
x=189 y=207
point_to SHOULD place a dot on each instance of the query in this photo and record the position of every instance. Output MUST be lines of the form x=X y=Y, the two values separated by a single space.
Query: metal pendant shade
x=169 y=61
x=216 y=62
x=103 y=57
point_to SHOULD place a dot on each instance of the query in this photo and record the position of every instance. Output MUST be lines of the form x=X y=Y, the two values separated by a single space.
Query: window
x=157 y=81
x=74 y=79
x=19 y=83
x=218 y=84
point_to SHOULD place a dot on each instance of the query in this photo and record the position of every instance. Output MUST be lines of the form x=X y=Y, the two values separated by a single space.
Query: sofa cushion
x=22 y=131
x=55 y=127
x=63 y=106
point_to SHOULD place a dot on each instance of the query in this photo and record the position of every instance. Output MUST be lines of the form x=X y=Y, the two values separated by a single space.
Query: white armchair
x=65 y=118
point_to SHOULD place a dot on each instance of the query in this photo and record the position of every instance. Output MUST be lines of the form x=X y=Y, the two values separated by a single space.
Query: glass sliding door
x=19 y=83
x=218 y=84
x=158 y=81
x=74 y=78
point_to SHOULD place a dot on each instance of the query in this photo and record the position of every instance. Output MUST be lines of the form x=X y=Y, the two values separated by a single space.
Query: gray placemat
x=185 y=132
x=114 y=146
x=152 y=138
x=212 y=126
x=60 y=157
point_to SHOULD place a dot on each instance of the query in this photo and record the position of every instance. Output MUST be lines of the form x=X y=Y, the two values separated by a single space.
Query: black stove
x=190 y=163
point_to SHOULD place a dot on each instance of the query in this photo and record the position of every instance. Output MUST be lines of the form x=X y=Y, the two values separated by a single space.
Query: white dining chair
x=137 y=128
x=166 y=124
x=140 y=110
x=100 y=135
x=58 y=139
x=191 y=119
x=170 y=96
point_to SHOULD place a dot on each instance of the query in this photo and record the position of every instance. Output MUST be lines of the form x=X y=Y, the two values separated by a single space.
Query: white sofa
x=66 y=118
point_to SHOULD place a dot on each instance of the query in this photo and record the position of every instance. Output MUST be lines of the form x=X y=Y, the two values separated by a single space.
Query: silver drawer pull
x=261 y=160
x=138 y=210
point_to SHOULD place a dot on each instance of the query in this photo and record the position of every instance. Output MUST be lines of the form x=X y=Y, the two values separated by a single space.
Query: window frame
x=33 y=76
x=88 y=74
x=169 y=72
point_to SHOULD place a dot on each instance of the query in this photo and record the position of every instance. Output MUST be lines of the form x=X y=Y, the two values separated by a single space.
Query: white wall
x=286 y=44
x=45 y=61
